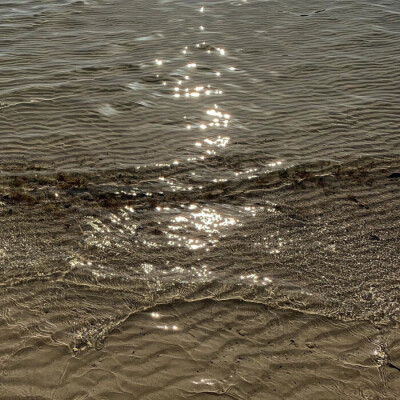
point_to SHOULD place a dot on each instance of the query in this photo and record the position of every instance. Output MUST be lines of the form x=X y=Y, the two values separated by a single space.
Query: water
x=85 y=85
x=154 y=152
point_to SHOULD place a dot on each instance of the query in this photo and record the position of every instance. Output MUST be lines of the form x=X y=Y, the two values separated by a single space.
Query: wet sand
x=209 y=349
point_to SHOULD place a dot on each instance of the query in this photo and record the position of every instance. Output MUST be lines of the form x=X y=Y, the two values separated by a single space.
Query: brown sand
x=206 y=350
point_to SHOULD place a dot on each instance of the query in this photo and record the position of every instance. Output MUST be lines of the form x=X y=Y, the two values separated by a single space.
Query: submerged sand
x=209 y=349
x=312 y=266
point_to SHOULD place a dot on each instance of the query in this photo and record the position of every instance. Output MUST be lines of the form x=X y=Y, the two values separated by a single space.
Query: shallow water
x=90 y=84
x=167 y=152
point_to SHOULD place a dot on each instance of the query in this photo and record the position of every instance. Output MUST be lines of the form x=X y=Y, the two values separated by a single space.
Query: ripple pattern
x=87 y=84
